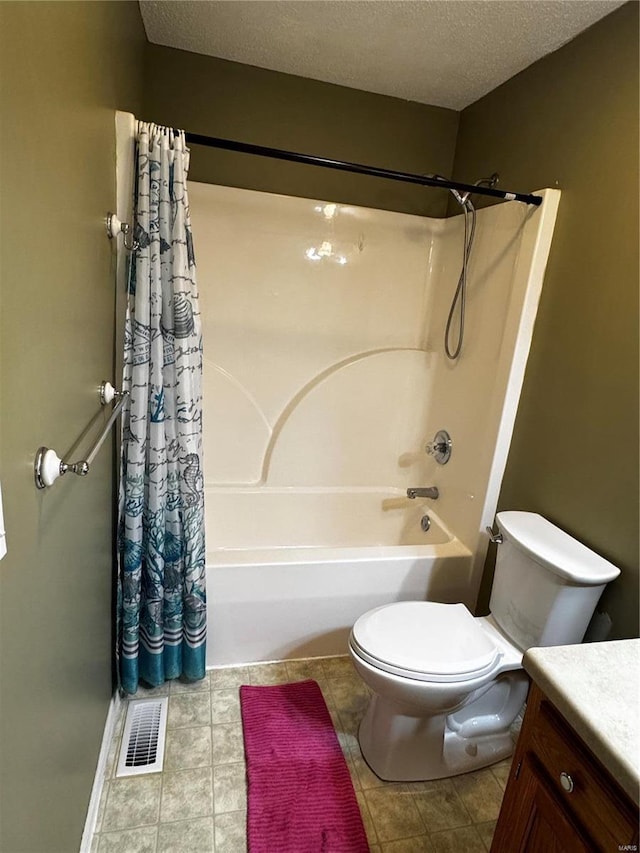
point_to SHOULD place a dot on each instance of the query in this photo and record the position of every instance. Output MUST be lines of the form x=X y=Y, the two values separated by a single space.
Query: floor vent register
x=142 y=749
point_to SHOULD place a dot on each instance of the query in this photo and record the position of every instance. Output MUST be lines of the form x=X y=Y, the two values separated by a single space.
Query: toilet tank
x=546 y=584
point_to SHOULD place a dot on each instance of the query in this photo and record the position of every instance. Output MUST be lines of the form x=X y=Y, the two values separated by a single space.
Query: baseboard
x=98 y=781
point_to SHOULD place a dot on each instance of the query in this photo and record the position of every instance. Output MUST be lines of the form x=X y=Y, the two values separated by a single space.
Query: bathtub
x=289 y=570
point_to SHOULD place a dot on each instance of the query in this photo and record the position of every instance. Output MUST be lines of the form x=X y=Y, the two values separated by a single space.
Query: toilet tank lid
x=554 y=548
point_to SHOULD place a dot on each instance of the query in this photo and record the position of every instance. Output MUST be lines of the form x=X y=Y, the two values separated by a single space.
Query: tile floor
x=198 y=803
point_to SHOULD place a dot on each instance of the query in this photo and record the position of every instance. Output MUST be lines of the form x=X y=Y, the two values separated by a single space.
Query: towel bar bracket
x=48 y=467
x=108 y=393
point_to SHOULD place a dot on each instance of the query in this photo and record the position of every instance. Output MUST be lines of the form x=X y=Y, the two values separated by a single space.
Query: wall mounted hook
x=115 y=226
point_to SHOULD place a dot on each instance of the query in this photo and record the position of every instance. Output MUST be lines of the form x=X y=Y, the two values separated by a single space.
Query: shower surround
x=324 y=378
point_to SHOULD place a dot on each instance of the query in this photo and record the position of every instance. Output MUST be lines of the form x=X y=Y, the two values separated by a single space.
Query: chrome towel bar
x=48 y=466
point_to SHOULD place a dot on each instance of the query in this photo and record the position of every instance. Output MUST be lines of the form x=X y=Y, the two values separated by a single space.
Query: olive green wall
x=65 y=68
x=215 y=97
x=571 y=121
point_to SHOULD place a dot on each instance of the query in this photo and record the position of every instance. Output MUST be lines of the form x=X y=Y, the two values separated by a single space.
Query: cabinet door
x=540 y=814
x=549 y=828
x=595 y=801
x=532 y=820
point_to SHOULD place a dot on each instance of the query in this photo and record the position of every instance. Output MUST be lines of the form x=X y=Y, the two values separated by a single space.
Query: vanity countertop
x=596 y=687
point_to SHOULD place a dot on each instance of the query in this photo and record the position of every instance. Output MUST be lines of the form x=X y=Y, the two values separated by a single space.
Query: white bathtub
x=290 y=570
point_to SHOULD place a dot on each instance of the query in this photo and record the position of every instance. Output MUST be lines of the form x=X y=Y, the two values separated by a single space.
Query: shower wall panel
x=478 y=393
x=324 y=355
x=465 y=387
x=315 y=319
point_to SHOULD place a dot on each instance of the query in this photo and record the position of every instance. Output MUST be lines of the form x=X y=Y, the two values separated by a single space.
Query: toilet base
x=400 y=748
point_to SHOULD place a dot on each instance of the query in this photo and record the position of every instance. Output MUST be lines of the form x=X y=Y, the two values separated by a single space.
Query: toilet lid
x=425 y=640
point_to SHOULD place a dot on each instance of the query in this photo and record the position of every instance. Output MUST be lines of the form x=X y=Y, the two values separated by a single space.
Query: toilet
x=447 y=686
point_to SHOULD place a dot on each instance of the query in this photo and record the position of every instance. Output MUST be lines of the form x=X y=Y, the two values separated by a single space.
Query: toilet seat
x=426 y=641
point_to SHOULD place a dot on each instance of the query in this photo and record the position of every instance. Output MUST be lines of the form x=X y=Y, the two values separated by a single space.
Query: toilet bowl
x=441 y=715
x=448 y=686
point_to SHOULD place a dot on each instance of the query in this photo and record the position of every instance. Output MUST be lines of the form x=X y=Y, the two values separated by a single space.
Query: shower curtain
x=161 y=591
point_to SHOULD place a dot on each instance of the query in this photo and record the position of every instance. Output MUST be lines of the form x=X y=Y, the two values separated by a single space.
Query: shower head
x=464 y=199
x=488 y=182
x=461 y=199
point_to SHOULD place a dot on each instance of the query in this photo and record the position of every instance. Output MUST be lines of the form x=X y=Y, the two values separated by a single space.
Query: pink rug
x=301 y=799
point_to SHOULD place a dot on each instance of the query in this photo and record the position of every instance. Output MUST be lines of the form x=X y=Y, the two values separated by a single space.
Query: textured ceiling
x=442 y=52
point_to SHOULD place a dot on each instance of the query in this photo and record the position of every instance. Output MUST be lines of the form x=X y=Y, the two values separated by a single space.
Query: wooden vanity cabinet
x=559 y=797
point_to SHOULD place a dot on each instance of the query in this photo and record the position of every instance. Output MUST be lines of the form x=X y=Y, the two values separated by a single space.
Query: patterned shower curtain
x=162 y=606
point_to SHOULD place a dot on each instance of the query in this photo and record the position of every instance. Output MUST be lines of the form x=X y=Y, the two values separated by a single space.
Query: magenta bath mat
x=301 y=799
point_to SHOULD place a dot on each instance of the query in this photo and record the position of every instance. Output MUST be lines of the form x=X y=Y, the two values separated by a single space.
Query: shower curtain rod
x=357 y=168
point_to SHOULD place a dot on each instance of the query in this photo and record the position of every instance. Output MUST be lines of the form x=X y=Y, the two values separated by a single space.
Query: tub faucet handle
x=440 y=447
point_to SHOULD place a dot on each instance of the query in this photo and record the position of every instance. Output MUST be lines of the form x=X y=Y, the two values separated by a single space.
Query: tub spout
x=428 y=492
